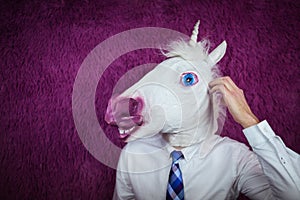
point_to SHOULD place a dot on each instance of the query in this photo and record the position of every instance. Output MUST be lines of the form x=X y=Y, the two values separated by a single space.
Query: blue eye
x=189 y=79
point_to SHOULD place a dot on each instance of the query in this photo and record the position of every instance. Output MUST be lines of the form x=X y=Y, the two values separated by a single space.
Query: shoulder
x=233 y=154
x=226 y=142
x=231 y=147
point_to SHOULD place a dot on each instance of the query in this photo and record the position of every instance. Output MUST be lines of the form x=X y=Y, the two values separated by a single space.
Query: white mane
x=193 y=54
x=186 y=51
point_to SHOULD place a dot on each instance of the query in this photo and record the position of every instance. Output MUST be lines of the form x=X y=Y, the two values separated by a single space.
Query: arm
x=280 y=164
x=251 y=180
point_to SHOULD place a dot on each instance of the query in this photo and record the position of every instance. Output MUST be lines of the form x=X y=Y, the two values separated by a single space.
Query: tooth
x=121 y=131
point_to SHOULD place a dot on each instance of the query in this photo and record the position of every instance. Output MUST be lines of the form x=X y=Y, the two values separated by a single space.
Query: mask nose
x=124 y=112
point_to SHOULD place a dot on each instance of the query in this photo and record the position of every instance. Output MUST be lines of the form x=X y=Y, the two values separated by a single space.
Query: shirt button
x=282 y=160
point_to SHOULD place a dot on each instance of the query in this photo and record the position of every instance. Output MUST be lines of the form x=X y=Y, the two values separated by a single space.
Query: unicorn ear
x=217 y=54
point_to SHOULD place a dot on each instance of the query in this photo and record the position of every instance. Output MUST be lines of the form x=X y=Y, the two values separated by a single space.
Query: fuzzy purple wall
x=43 y=44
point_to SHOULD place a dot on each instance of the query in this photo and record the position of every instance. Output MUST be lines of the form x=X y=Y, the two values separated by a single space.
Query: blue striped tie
x=175 y=185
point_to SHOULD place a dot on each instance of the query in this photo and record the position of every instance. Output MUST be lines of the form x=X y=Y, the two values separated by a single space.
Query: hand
x=234 y=99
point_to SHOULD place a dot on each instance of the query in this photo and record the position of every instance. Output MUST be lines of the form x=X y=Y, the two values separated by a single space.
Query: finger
x=222 y=91
x=220 y=81
x=218 y=88
x=230 y=81
x=226 y=81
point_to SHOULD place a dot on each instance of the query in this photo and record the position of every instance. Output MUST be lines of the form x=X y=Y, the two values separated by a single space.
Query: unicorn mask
x=173 y=98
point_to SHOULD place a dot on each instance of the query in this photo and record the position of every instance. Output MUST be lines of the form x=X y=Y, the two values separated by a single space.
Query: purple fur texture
x=43 y=44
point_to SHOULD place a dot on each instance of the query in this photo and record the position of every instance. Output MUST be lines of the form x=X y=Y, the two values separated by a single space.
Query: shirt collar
x=188 y=152
x=199 y=150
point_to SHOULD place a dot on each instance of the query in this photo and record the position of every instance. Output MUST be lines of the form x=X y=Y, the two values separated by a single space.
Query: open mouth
x=128 y=125
x=126 y=114
x=125 y=133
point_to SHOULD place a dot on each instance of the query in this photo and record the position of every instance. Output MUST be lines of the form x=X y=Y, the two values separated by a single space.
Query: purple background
x=43 y=44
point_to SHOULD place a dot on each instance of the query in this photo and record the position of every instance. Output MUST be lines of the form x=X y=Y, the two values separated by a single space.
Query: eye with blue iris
x=189 y=79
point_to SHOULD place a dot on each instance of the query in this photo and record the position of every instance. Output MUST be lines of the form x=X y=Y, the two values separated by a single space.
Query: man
x=271 y=173
x=170 y=118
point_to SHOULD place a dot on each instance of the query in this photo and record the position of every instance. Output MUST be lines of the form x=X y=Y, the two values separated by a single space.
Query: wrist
x=249 y=120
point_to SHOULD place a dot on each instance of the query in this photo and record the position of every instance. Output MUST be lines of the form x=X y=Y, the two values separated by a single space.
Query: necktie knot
x=176 y=155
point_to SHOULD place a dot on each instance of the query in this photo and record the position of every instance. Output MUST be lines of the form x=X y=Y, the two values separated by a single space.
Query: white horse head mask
x=173 y=98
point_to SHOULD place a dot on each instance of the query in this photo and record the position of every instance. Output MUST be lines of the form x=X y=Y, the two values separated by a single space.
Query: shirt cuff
x=259 y=133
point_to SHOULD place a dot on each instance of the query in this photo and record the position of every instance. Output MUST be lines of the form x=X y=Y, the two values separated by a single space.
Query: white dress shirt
x=219 y=171
x=280 y=164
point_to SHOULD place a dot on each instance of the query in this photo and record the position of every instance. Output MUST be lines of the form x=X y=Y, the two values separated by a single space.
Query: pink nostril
x=124 y=112
x=133 y=107
x=128 y=107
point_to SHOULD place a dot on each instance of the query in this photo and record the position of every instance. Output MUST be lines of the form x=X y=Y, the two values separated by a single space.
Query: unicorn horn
x=193 y=39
